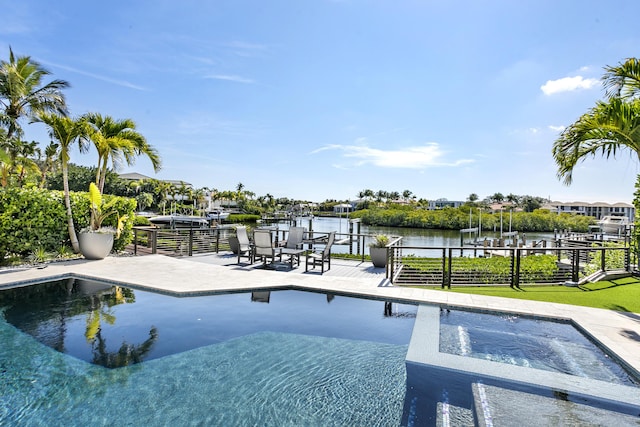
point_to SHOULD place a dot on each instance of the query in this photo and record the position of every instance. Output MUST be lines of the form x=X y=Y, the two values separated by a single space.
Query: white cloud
x=96 y=76
x=427 y=155
x=230 y=78
x=207 y=123
x=567 y=84
x=245 y=49
x=556 y=128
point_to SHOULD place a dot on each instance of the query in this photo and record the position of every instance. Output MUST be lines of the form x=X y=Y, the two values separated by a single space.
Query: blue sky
x=320 y=99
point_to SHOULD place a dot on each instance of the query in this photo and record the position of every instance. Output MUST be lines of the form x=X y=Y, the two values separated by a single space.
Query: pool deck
x=618 y=331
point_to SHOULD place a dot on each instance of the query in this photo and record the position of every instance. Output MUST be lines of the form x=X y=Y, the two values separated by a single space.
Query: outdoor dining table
x=294 y=255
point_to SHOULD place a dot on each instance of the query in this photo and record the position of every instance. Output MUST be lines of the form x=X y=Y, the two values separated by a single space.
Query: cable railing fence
x=460 y=266
x=539 y=263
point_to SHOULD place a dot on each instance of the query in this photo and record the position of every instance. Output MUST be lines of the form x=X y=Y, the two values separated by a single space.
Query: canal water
x=410 y=236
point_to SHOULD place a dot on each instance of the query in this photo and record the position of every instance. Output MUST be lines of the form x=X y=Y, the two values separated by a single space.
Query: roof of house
x=596 y=204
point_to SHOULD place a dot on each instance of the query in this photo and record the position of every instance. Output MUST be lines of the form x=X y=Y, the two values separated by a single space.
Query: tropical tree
x=611 y=126
x=497 y=197
x=118 y=141
x=144 y=200
x=513 y=199
x=24 y=94
x=608 y=128
x=24 y=163
x=623 y=80
x=381 y=195
x=49 y=163
x=66 y=132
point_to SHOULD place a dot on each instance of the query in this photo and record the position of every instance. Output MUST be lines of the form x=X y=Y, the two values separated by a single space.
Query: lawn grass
x=620 y=295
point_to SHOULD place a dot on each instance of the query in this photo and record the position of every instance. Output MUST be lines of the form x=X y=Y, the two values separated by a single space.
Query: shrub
x=379 y=241
x=33 y=220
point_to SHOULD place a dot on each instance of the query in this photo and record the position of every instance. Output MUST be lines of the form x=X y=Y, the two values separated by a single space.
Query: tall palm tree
x=118 y=141
x=608 y=128
x=24 y=94
x=67 y=132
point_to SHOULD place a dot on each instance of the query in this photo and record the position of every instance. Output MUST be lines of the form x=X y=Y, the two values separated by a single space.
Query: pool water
x=235 y=359
x=81 y=352
x=528 y=342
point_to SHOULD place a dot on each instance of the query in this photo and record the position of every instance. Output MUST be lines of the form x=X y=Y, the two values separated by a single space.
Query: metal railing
x=513 y=266
x=179 y=242
x=420 y=265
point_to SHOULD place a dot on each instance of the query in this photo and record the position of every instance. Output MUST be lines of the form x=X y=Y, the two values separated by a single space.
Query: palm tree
x=49 y=163
x=118 y=141
x=497 y=198
x=24 y=162
x=609 y=127
x=623 y=80
x=66 y=132
x=23 y=94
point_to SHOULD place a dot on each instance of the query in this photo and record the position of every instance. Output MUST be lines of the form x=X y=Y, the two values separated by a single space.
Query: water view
x=410 y=236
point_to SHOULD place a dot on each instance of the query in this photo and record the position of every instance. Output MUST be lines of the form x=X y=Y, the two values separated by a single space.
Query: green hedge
x=243 y=218
x=458 y=218
x=32 y=218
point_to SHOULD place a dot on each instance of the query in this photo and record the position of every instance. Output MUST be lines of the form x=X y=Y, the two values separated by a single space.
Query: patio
x=339 y=267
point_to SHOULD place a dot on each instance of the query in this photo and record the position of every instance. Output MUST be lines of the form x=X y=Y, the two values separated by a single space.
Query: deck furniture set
x=290 y=251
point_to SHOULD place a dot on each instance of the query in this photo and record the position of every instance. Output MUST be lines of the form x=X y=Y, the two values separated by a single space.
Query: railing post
x=351 y=239
x=153 y=235
x=448 y=273
x=389 y=266
x=603 y=261
x=135 y=241
x=627 y=259
x=515 y=267
x=575 y=265
x=190 y=251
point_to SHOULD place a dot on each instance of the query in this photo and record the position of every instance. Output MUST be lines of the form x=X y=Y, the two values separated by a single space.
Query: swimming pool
x=79 y=352
x=259 y=358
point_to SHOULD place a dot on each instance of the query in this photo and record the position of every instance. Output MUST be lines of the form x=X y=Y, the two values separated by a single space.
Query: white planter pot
x=95 y=245
x=378 y=257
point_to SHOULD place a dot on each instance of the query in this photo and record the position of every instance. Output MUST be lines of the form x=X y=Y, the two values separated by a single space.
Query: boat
x=179 y=221
x=218 y=215
x=614 y=224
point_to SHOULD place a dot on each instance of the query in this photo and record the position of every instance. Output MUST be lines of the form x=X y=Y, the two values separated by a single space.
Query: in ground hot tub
x=471 y=368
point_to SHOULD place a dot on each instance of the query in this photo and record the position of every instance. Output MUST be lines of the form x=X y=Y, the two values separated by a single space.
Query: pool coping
x=617 y=332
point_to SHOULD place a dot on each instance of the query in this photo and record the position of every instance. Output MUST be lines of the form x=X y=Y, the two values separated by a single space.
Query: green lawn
x=621 y=295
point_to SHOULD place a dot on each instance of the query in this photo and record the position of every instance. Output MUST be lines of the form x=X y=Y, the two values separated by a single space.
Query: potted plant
x=95 y=240
x=378 y=250
x=234 y=245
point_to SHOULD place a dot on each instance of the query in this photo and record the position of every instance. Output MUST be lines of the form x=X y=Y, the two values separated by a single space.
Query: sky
x=322 y=99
